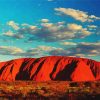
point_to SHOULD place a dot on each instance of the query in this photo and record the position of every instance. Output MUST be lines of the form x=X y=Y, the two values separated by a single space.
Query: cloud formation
x=13 y=25
x=77 y=14
x=82 y=49
x=44 y=20
x=13 y=35
x=47 y=31
x=68 y=43
x=8 y=50
x=89 y=49
x=51 y=32
x=37 y=51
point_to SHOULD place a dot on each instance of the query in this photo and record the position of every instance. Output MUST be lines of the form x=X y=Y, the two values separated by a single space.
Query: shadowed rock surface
x=50 y=68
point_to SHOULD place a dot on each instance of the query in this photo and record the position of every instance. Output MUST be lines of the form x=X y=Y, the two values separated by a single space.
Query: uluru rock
x=54 y=68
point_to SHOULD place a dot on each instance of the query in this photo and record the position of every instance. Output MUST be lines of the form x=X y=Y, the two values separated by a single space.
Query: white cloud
x=12 y=34
x=74 y=27
x=9 y=50
x=68 y=43
x=61 y=23
x=37 y=51
x=43 y=49
x=55 y=32
x=92 y=27
x=13 y=25
x=87 y=49
x=90 y=44
x=46 y=48
x=44 y=20
x=94 y=17
x=49 y=32
x=9 y=33
x=47 y=25
x=77 y=14
x=83 y=49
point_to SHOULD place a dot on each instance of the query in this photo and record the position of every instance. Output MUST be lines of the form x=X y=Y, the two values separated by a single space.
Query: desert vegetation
x=50 y=90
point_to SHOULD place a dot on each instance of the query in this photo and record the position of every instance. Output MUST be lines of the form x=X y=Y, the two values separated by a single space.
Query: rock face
x=50 y=68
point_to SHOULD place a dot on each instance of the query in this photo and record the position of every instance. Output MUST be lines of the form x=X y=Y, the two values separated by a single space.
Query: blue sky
x=35 y=28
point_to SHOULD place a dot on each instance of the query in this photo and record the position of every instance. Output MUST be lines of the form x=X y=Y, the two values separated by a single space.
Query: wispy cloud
x=31 y=52
x=80 y=50
x=8 y=50
x=14 y=25
x=68 y=43
x=13 y=35
x=44 y=20
x=77 y=14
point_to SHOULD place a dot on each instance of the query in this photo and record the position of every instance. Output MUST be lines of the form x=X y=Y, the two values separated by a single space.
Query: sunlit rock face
x=56 y=68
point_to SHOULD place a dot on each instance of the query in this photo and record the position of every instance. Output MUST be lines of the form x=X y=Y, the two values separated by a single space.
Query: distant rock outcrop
x=50 y=68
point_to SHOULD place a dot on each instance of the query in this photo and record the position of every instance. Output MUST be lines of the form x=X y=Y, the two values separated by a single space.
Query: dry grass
x=50 y=90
